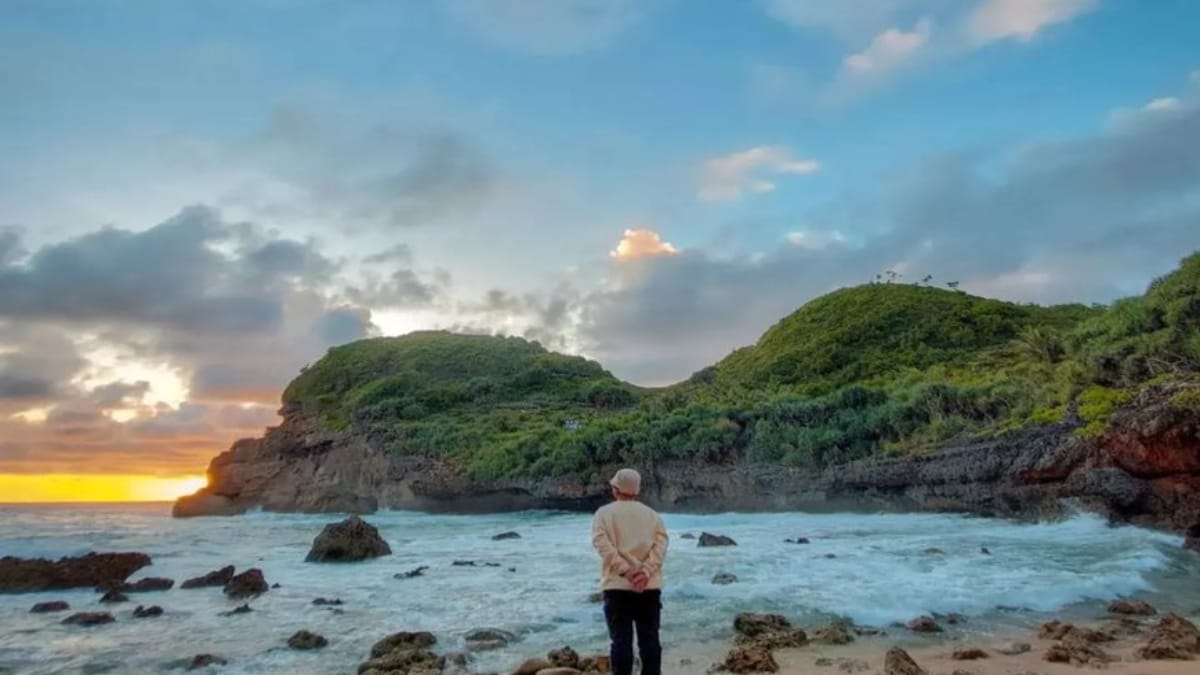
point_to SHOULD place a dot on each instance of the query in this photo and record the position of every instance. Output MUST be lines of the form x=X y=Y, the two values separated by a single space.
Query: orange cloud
x=642 y=243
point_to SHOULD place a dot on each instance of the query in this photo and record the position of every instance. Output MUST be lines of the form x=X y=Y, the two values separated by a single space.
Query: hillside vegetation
x=880 y=368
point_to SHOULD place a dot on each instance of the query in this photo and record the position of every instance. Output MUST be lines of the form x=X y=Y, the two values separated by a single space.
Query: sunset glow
x=95 y=487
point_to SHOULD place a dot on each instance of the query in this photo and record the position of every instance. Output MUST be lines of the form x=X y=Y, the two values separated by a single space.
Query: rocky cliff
x=1144 y=469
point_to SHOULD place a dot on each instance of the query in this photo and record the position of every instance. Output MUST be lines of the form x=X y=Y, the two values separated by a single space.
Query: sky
x=198 y=199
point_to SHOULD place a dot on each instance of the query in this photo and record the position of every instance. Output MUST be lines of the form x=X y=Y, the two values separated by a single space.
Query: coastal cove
x=874 y=569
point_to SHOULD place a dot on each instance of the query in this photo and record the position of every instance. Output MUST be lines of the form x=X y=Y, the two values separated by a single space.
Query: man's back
x=638 y=540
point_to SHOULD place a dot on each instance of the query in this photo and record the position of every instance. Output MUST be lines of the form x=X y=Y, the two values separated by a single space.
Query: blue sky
x=650 y=183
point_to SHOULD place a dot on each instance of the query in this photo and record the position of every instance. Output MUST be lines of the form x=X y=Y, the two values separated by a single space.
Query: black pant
x=625 y=610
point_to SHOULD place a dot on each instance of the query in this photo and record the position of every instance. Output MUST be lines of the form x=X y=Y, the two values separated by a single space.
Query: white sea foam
x=880 y=573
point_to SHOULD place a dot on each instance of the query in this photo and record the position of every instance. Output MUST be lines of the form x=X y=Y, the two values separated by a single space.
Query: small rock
x=707 y=539
x=403 y=640
x=350 y=540
x=1058 y=630
x=248 y=584
x=305 y=640
x=797 y=540
x=898 y=662
x=563 y=658
x=824 y=661
x=327 y=602
x=1015 y=648
x=687 y=535
x=52 y=606
x=484 y=639
x=724 y=579
x=89 y=619
x=532 y=667
x=205 y=660
x=240 y=609
x=150 y=584
x=753 y=625
x=413 y=573
x=934 y=551
x=1077 y=650
x=147 y=612
x=750 y=658
x=968 y=654
x=473 y=563
x=923 y=624
x=852 y=665
x=276 y=585
x=215 y=578
x=503 y=536
x=837 y=632
x=830 y=556
x=984 y=550
x=114 y=597
x=954 y=618
x=1131 y=608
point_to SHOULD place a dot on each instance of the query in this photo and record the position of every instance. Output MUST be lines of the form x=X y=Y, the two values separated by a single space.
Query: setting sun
x=95 y=487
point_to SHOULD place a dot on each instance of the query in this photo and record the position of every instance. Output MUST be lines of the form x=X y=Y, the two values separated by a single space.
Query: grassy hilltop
x=880 y=368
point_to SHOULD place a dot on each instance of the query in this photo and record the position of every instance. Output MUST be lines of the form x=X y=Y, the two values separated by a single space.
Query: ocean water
x=871 y=568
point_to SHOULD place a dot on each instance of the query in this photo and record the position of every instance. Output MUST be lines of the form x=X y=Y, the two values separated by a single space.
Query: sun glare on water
x=96 y=487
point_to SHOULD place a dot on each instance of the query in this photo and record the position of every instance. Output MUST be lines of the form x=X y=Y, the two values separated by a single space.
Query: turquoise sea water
x=872 y=568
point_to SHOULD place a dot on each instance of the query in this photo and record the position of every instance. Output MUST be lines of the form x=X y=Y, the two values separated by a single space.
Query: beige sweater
x=629 y=536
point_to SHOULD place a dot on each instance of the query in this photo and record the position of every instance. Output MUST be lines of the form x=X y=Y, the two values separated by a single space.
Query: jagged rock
x=112 y=597
x=1059 y=630
x=20 y=575
x=836 y=632
x=146 y=612
x=305 y=640
x=149 y=584
x=532 y=667
x=351 y=540
x=898 y=662
x=797 y=540
x=750 y=658
x=503 y=536
x=1076 y=649
x=52 y=606
x=563 y=658
x=1131 y=607
x=1174 y=637
x=215 y=578
x=327 y=602
x=1124 y=625
x=89 y=619
x=751 y=625
x=248 y=584
x=968 y=654
x=1015 y=648
x=724 y=579
x=923 y=624
x=707 y=539
x=401 y=641
x=205 y=660
x=411 y=574
x=484 y=639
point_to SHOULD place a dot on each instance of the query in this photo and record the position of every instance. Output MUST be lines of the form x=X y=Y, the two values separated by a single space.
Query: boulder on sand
x=248 y=584
x=215 y=578
x=898 y=662
x=351 y=540
x=21 y=575
x=753 y=657
x=707 y=539
x=750 y=625
x=923 y=624
x=305 y=640
x=53 y=606
x=563 y=658
x=1131 y=607
x=1173 y=638
x=837 y=632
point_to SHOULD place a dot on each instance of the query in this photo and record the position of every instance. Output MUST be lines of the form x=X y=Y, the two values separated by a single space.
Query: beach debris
x=305 y=640
x=724 y=579
x=146 y=612
x=707 y=539
x=1131 y=608
x=923 y=624
x=327 y=602
x=563 y=658
x=149 y=584
x=89 y=619
x=898 y=662
x=114 y=597
x=484 y=639
x=350 y=540
x=411 y=574
x=248 y=584
x=215 y=578
x=504 y=536
x=968 y=654
x=21 y=575
x=836 y=632
x=1174 y=637
x=52 y=606
x=797 y=540
x=205 y=660
x=1015 y=648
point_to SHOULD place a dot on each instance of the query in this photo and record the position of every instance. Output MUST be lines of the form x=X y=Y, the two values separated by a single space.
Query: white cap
x=627 y=481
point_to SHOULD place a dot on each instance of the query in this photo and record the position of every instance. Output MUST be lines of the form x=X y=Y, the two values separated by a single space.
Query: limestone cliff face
x=1146 y=469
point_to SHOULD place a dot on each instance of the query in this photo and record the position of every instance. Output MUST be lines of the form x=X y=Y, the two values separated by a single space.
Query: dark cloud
x=447 y=175
x=37 y=363
x=10 y=245
x=403 y=289
x=400 y=253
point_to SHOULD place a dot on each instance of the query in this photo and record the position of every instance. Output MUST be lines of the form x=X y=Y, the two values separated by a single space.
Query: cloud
x=850 y=20
x=1160 y=104
x=641 y=243
x=402 y=289
x=814 y=239
x=400 y=253
x=1021 y=19
x=730 y=177
x=890 y=49
x=546 y=27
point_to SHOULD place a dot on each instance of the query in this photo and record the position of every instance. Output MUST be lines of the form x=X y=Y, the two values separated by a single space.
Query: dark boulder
x=707 y=539
x=114 y=597
x=412 y=574
x=1174 y=637
x=797 y=540
x=327 y=602
x=147 y=612
x=351 y=540
x=503 y=536
x=89 y=619
x=306 y=640
x=19 y=575
x=52 y=606
x=563 y=658
x=1131 y=608
x=215 y=578
x=923 y=624
x=148 y=584
x=752 y=625
x=484 y=639
x=898 y=662
x=836 y=632
x=752 y=657
x=724 y=579
x=205 y=660
x=248 y=584
x=240 y=609
x=403 y=640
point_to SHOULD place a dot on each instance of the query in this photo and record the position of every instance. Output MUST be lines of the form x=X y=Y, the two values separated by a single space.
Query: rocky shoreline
x=1145 y=469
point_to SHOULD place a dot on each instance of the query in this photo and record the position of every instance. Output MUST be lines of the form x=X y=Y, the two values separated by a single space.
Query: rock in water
x=240 y=609
x=483 y=639
x=248 y=584
x=752 y=625
x=1131 y=607
x=20 y=575
x=1192 y=544
x=923 y=624
x=114 y=596
x=327 y=602
x=724 y=579
x=53 y=606
x=898 y=662
x=351 y=540
x=149 y=584
x=1173 y=638
x=147 y=612
x=403 y=640
x=205 y=660
x=505 y=536
x=564 y=658
x=687 y=535
x=707 y=539
x=412 y=574
x=305 y=640
x=89 y=619
x=215 y=578
x=797 y=540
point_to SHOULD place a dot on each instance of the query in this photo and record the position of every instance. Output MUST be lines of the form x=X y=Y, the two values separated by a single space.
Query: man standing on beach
x=632 y=542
